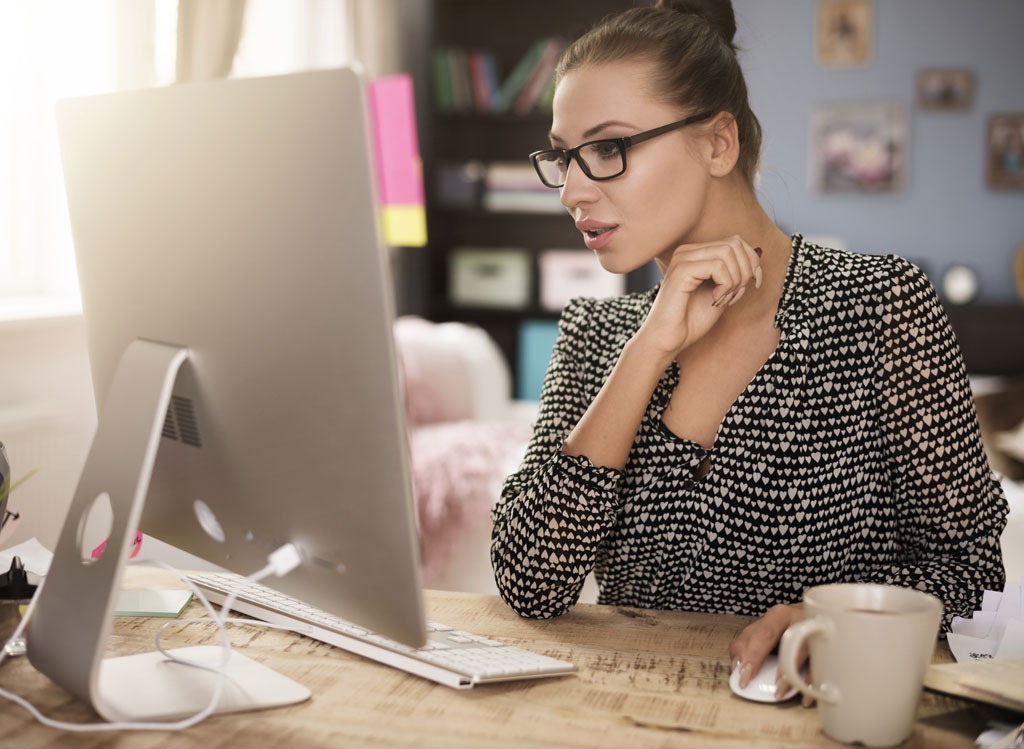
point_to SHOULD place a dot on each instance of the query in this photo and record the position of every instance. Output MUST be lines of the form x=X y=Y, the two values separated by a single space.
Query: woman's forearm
x=606 y=431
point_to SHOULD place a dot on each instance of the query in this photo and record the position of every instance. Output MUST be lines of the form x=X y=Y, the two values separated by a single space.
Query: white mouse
x=762 y=687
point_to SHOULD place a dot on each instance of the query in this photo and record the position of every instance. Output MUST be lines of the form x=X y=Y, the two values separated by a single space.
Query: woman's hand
x=700 y=280
x=761 y=637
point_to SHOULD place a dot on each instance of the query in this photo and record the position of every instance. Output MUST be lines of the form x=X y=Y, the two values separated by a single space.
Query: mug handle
x=792 y=639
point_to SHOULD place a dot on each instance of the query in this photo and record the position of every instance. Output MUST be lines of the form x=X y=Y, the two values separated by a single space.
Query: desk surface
x=646 y=679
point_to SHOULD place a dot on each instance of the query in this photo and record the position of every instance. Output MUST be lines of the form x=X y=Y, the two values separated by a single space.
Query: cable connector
x=284 y=559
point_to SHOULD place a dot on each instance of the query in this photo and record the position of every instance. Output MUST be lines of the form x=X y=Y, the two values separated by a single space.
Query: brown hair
x=691 y=43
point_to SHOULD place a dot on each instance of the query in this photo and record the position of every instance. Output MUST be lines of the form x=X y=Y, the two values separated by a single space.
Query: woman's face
x=659 y=201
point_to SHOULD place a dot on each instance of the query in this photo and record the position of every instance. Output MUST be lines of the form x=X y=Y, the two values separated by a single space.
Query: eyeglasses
x=599 y=159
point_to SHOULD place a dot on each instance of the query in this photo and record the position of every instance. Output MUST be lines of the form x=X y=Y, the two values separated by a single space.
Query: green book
x=442 y=80
x=520 y=75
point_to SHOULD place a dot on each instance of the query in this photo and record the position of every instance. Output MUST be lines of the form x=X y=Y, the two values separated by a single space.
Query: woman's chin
x=615 y=264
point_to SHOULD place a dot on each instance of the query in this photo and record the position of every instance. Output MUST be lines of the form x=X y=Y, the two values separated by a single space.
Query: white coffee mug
x=869 y=646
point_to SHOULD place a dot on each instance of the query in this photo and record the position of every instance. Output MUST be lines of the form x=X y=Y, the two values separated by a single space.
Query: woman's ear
x=724 y=144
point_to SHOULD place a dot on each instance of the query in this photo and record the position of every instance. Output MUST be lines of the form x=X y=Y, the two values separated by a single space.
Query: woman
x=775 y=415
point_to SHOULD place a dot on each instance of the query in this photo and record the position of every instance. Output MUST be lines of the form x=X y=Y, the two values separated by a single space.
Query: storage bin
x=536 y=342
x=490 y=277
x=565 y=274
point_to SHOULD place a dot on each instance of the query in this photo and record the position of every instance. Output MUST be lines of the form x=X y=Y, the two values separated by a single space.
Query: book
x=540 y=78
x=482 y=73
x=996 y=681
x=520 y=75
x=442 y=80
x=462 y=86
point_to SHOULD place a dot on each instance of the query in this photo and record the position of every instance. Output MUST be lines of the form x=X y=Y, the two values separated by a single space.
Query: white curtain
x=208 y=36
x=390 y=36
x=375 y=37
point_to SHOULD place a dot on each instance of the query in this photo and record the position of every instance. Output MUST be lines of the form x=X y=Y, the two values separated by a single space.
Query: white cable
x=280 y=562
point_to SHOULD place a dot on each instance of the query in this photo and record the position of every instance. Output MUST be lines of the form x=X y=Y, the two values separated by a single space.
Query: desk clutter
x=994 y=631
x=988 y=648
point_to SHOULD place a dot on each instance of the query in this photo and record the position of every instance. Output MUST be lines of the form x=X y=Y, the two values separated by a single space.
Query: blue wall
x=945 y=213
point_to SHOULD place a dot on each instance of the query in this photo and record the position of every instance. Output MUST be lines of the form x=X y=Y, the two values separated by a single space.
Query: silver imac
x=238 y=315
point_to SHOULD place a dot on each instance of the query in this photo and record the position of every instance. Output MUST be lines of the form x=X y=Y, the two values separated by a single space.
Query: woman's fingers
x=729 y=265
x=699 y=280
x=760 y=637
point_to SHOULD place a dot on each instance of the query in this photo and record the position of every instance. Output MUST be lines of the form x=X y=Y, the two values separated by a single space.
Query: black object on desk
x=14 y=584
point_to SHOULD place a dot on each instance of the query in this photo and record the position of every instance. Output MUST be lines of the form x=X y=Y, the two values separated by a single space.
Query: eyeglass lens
x=601 y=159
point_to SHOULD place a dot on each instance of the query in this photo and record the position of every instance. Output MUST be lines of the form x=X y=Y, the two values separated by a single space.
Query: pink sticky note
x=396 y=146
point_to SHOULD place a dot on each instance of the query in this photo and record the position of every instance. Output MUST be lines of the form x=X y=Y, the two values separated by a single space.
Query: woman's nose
x=578 y=187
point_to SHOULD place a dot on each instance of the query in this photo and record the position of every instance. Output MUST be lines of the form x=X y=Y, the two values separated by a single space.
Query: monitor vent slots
x=181 y=424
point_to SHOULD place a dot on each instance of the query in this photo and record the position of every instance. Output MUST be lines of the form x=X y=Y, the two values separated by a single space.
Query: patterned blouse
x=854 y=454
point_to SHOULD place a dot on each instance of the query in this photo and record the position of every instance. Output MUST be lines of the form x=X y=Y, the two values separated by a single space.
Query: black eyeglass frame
x=624 y=144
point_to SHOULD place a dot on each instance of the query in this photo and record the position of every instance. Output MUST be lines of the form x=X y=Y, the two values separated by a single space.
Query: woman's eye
x=604 y=149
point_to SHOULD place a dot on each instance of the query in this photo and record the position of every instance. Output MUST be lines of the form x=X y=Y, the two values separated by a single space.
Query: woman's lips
x=598 y=236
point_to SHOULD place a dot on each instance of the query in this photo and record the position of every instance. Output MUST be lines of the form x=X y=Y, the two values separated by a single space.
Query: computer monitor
x=238 y=314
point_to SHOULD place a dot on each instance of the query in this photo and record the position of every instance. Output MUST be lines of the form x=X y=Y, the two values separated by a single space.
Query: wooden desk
x=646 y=679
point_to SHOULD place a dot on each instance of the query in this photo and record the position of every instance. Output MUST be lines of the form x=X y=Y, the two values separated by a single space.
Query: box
x=565 y=274
x=490 y=277
x=460 y=185
x=536 y=342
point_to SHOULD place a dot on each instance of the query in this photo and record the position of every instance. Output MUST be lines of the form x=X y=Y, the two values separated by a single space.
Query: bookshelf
x=480 y=189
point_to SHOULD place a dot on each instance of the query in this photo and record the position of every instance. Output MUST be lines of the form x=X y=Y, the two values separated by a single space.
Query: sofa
x=466 y=434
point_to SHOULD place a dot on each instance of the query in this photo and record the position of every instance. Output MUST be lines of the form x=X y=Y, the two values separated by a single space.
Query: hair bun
x=718 y=13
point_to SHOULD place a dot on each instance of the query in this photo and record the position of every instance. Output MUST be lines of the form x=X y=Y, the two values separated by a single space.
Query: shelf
x=490 y=314
x=449 y=139
x=479 y=213
x=991 y=337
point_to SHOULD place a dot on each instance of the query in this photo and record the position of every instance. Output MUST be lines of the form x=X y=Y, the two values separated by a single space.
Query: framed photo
x=1004 y=152
x=845 y=31
x=945 y=89
x=858 y=148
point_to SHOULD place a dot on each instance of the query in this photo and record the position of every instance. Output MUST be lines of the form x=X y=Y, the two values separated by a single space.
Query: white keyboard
x=450 y=657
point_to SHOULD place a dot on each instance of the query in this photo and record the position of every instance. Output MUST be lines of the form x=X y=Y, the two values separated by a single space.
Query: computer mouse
x=762 y=687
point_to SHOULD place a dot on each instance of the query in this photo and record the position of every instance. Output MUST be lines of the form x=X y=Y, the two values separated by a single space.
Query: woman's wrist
x=641 y=348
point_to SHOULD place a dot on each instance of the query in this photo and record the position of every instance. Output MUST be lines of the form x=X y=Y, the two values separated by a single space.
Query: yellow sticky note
x=404 y=225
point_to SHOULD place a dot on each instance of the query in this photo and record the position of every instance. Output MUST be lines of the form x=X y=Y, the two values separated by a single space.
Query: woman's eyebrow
x=590 y=132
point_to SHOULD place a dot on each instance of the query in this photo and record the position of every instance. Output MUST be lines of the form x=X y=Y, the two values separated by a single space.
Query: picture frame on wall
x=858 y=148
x=1004 y=151
x=945 y=89
x=845 y=32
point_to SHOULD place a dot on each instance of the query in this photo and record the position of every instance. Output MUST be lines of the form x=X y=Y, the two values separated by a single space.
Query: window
x=49 y=49
x=52 y=49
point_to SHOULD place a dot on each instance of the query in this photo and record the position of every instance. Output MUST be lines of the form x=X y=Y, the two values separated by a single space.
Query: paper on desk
x=997 y=631
x=1012 y=644
x=169 y=603
x=34 y=556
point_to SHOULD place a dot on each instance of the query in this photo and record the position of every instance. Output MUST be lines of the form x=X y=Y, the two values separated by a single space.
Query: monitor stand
x=73 y=616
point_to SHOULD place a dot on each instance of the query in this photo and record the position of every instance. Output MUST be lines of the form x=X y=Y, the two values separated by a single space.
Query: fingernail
x=737 y=296
x=781 y=687
x=759 y=251
x=745 y=673
x=758 y=277
x=721 y=300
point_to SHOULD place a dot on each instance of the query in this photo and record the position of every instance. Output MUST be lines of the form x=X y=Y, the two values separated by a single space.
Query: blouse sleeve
x=555 y=511
x=951 y=507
